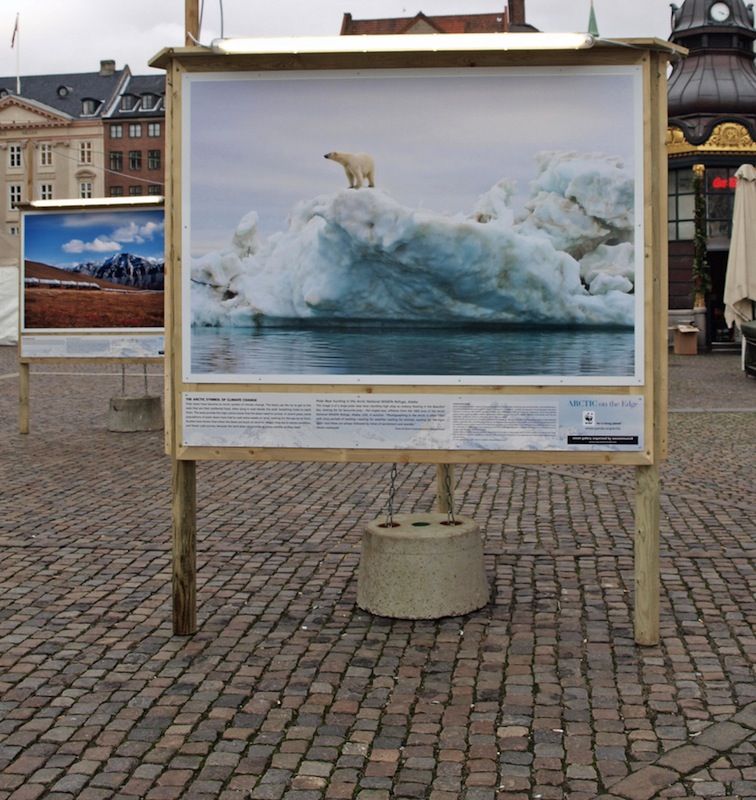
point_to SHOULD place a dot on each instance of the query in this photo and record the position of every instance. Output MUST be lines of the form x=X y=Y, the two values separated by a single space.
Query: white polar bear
x=358 y=167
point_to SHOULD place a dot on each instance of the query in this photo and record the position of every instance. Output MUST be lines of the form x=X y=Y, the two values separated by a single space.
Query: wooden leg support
x=184 y=548
x=23 y=398
x=445 y=488
x=647 y=504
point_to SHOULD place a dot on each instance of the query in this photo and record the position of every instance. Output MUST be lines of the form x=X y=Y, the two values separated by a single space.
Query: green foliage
x=701 y=274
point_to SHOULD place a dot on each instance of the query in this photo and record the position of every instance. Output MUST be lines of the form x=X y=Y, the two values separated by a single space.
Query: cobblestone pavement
x=288 y=690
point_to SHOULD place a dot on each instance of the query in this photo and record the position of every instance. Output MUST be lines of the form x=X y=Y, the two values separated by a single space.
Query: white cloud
x=98 y=245
x=137 y=233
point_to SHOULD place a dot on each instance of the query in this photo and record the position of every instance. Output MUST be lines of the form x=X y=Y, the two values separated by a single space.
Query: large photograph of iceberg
x=414 y=227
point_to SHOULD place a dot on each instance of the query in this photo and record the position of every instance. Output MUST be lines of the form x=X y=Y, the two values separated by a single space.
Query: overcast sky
x=58 y=36
x=427 y=136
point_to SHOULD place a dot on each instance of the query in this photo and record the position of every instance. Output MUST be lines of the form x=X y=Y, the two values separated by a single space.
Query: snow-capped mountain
x=127 y=269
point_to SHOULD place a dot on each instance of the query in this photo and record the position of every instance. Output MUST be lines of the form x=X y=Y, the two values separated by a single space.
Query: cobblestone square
x=288 y=691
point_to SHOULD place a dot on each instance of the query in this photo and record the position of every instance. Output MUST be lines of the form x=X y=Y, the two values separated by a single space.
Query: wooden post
x=191 y=22
x=23 y=398
x=647 y=584
x=444 y=490
x=184 y=548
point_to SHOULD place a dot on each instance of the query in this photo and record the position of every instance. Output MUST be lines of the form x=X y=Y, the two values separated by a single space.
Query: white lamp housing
x=434 y=42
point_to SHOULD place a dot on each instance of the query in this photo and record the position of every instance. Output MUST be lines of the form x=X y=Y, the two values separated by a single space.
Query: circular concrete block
x=422 y=568
x=130 y=414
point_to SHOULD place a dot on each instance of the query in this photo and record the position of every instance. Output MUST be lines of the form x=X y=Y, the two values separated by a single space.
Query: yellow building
x=51 y=141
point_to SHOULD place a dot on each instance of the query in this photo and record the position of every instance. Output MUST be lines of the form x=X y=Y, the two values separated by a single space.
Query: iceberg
x=359 y=255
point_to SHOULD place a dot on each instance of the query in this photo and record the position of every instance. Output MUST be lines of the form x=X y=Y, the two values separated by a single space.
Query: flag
x=15 y=33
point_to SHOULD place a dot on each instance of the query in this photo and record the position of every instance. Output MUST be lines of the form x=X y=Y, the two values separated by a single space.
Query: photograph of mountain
x=93 y=269
x=417 y=226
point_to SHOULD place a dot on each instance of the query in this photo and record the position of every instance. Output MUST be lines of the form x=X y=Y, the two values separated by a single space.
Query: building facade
x=58 y=133
x=134 y=132
x=712 y=127
x=51 y=143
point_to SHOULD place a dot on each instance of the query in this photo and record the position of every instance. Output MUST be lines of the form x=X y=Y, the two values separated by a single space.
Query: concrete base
x=422 y=568
x=130 y=414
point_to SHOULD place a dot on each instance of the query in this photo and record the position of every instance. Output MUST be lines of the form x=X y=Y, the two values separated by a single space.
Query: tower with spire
x=592 y=24
x=712 y=122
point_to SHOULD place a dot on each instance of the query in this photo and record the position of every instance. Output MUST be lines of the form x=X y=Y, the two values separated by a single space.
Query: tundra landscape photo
x=414 y=226
x=93 y=269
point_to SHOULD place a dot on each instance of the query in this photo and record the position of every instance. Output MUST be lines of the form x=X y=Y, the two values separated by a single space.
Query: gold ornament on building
x=727 y=137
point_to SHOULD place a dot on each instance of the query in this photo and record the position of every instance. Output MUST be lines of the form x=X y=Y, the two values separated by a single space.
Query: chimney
x=516 y=12
x=107 y=67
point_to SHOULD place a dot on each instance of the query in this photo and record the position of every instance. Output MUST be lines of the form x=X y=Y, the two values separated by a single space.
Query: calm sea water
x=406 y=351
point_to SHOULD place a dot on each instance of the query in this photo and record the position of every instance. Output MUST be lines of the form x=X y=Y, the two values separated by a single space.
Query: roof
x=66 y=92
x=695 y=14
x=142 y=91
x=451 y=23
x=717 y=81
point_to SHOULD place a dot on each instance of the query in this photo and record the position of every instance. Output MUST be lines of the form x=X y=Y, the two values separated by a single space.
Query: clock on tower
x=720 y=12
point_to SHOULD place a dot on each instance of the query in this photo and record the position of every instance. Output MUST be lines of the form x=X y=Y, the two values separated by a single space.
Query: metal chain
x=392 y=493
x=449 y=496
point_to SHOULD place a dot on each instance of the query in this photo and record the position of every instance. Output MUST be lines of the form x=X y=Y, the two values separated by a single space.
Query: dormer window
x=63 y=91
x=128 y=102
x=89 y=106
x=3 y=93
x=149 y=101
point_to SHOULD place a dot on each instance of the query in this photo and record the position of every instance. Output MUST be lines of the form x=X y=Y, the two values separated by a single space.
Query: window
x=89 y=107
x=85 y=189
x=153 y=159
x=14 y=155
x=719 y=191
x=14 y=194
x=116 y=160
x=135 y=191
x=116 y=131
x=116 y=191
x=681 y=202
x=85 y=152
x=153 y=129
x=128 y=102
x=45 y=191
x=135 y=159
x=149 y=101
x=719 y=195
x=154 y=188
x=13 y=230
x=45 y=155
x=135 y=130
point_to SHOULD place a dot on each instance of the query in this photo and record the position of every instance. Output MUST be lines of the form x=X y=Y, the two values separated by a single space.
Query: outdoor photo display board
x=92 y=281
x=425 y=257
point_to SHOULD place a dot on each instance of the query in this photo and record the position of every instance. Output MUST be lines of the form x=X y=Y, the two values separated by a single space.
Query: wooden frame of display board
x=78 y=341
x=247 y=412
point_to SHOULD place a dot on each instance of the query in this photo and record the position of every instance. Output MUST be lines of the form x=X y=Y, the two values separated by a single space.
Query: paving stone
x=288 y=690
x=723 y=736
x=687 y=758
x=746 y=716
x=645 y=783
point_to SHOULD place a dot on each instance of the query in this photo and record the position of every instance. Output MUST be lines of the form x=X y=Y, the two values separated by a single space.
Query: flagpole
x=16 y=42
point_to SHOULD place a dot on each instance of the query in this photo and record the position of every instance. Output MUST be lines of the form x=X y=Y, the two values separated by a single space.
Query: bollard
x=131 y=414
x=422 y=567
